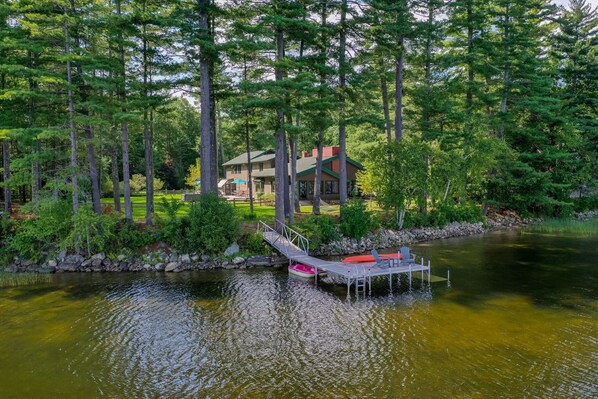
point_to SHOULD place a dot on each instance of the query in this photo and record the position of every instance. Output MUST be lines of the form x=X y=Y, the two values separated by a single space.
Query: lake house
x=262 y=170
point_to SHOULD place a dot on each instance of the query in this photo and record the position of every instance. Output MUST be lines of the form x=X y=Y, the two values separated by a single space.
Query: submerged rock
x=232 y=249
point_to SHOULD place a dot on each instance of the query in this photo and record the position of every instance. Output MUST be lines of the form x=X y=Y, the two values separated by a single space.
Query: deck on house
x=295 y=247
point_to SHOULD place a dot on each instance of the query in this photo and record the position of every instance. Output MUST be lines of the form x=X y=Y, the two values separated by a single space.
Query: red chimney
x=327 y=151
x=303 y=154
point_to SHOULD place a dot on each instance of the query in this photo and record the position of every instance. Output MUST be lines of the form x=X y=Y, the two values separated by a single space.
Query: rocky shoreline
x=163 y=261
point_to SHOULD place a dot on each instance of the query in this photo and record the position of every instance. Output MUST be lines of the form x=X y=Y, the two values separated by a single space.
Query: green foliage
x=585 y=204
x=131 y=236
x=253 y=243
x=41 y=234
x=137 y=182
x=319 y=230
x=582 y=227
x=90 y=232
x=213 y=225
x=172 y=228
x=356 y=220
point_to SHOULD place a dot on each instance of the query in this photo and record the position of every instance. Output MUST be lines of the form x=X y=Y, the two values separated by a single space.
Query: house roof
x=305 y=165
x=263 y=158
x=242 y=159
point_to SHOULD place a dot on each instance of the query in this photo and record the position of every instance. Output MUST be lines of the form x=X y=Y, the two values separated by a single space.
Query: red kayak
x=370 y=258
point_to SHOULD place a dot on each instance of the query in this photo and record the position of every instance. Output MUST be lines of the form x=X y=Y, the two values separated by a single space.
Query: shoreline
x=163 y=261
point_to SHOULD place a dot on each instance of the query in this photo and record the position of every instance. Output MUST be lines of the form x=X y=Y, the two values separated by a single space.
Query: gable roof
x=242 y=159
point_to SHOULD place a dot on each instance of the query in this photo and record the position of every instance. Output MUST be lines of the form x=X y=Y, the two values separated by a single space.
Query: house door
x=302 y=190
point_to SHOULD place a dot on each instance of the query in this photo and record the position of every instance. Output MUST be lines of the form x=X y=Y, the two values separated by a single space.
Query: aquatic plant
x=21 y=279
x=582 y=227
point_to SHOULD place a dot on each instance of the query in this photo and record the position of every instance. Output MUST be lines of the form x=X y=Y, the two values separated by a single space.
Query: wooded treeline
x=491 y=101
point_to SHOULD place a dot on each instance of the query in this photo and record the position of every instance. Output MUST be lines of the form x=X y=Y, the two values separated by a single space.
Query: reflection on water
x=518 y=321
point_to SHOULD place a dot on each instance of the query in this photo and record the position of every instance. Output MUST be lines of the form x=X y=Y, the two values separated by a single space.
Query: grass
x=264 y=212
x=20 y=279
x=581 y=227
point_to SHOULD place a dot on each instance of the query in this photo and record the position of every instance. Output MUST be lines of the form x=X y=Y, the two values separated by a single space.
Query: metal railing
x=284 y=231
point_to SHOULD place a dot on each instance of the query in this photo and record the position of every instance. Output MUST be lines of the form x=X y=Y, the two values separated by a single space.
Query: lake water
x=519 y=319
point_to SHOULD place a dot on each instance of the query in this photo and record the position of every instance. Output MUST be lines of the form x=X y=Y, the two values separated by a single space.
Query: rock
x=279 y=260
x=160 y=267
x=195 y=258
x=173 y=257
x=230 y=267
x=75 y=259
x=205 y=258
x=62 y=255
x=121 y=257
x=171 y=266
x=97 y=262
x=52 y=263
x=259 y=260
x=185 y=258
x=232 y=249
x=238 y=260
x=86 y=263
x=106 y=262
x=147 y=266
x=99 y=256
x=47 y=269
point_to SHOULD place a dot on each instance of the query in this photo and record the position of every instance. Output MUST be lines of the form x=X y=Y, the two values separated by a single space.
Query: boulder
x=121 y=257
x=259 y=260
x=171 y=266
x=238 y=260
x=99 y=256
x=186 y=258
x=52 y=263
x=47 y=269
x=160 y=266
x=232 y=249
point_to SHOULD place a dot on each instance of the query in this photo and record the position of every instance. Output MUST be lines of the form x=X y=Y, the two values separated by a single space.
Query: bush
x=128 y=235
x=319 y=230
x=173 y=229
x=213 y=225
x=356 y=220
x=35 y=237
x=585 y=204
x=253 y=243
x=92 y=232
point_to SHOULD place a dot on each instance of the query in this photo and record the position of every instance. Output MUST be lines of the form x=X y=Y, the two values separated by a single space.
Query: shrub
x=253 y=243
x=356 y=220
x=41 y=234
x=213 y=225
x=128 y=235
x=91 y=232
x=172 y=228
x=585 y=204
x=319 y=230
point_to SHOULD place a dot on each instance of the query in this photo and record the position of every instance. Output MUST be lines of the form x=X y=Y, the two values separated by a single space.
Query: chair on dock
x=379 y=261
x=407 y=257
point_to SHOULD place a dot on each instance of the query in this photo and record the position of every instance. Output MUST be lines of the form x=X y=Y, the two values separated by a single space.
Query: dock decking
x=295 y=247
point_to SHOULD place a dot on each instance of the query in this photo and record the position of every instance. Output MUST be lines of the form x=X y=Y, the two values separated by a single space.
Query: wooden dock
x=295 y=247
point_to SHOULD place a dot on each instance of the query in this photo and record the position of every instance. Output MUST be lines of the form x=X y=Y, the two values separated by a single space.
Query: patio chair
x=406 y=256
x=379 y=261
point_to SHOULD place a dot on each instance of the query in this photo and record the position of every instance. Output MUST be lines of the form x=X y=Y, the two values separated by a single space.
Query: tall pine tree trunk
x=318 y=179
x=468 y=128
x=385 y=106
x=293 y=141
x=205 y=104
x=279 y=157
x=147 y=139
x=72 y=126
x=6 y=175
x=249 y=171
x=342 y=130
x=399 y=91
x=115 y=176
x=124 y=128
x=93 y=171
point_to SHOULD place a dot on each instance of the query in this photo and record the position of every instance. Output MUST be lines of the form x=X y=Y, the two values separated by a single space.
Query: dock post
x=410 y=275
x=429 y=272
x=423 y=270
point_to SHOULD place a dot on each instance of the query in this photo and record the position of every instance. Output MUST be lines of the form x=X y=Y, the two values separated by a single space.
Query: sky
x=565 y=2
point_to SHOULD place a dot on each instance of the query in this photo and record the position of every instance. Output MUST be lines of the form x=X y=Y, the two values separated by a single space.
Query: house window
x=330 y=187
x=261 y=166
x=236 y=169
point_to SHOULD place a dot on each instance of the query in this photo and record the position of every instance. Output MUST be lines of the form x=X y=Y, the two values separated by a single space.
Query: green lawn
x=265 y=213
